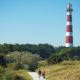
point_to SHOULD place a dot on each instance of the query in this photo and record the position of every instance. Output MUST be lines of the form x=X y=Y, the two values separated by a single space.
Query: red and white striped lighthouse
x=69 y=32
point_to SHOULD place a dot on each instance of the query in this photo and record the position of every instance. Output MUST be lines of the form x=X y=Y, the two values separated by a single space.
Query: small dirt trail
x=35 y=76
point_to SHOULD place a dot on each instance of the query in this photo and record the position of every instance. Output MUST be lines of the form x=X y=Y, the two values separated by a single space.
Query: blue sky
x=37 y=21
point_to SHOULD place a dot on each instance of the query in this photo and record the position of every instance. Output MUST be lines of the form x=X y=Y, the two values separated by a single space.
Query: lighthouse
x=69 y=31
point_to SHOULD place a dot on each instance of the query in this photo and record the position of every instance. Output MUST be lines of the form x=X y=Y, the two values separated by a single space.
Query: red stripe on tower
x=69 y=33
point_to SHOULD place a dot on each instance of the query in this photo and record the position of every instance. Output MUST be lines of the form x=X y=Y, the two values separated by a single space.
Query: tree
x=45 y=50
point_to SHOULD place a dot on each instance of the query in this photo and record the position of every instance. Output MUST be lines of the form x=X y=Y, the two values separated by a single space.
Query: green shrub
x=23 y=60
x=18 y=78
x=33 y=66
x=18 y=66
x=3 y=60
x=1 y=70
x=64 y=54
x=42 y=63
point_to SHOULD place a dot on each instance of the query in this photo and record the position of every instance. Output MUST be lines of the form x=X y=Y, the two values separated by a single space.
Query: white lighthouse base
x=69 y=44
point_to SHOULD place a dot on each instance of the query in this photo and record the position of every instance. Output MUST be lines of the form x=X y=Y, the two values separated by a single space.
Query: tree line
x=44 y=50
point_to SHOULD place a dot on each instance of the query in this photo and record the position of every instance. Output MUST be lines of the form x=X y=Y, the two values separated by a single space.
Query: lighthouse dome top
x=69 y=7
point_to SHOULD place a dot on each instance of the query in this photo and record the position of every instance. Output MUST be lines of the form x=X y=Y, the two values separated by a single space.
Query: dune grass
x=23 y=74
x=9 y=74
x=67 y=70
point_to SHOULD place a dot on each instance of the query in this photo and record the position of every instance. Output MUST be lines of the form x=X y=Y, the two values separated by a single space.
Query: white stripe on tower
x=69 y=45
x=69 y=23
x=69 y=33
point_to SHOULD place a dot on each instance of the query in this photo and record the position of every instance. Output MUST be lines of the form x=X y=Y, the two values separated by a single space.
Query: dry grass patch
x=68 y=70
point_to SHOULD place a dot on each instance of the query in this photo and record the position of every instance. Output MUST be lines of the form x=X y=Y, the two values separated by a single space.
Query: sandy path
x=35 y=76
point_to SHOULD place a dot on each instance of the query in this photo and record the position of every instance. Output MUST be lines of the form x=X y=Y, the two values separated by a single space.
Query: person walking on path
x=39 y=73
x=43 y=74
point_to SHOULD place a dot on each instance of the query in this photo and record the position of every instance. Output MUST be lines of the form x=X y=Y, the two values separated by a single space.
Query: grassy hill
x=67 y=70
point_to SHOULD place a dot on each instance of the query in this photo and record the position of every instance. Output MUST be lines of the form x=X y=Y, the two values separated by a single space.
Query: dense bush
x=18 y=78
x=18 y=66
x=65 y=54
x=23 y=60
x=3 y=60
x=1 y=71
